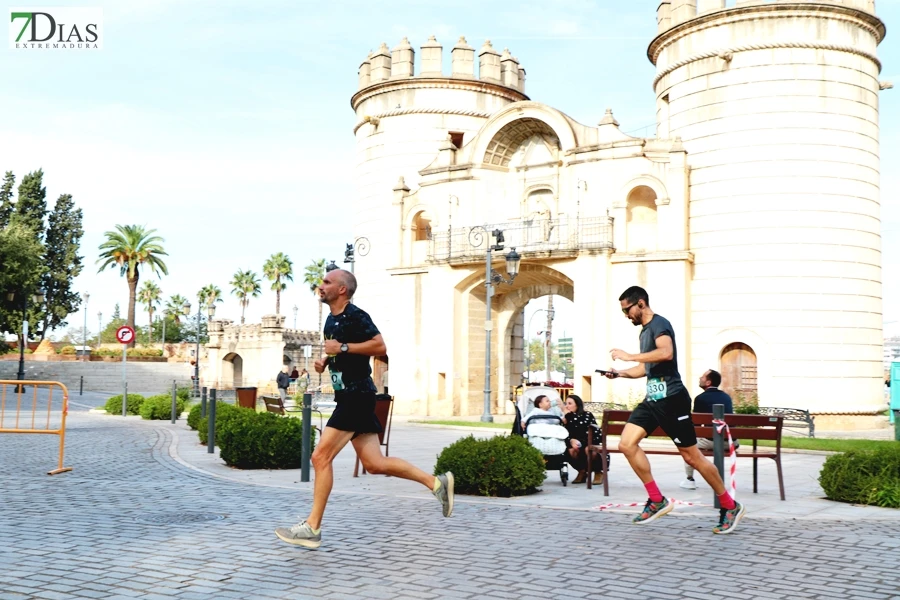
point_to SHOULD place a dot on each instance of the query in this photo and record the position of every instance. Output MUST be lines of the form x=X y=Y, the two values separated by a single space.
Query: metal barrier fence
x=14 y=397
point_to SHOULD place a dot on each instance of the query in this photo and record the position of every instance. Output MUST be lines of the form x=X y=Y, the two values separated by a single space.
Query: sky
x=227 y=127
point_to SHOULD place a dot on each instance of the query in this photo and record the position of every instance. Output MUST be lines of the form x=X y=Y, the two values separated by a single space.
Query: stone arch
x=499 y=137
x=738 y=366
x=533 y=281
x=232 y=369
x=662 y=194
x=641 y=218
x=538 y=201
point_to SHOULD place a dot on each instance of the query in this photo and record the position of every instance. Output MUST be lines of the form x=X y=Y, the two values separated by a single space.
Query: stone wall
x=143 y=378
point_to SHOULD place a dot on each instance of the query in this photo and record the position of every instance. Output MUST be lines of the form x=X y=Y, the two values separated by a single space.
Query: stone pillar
x=521 y=79
x=509 y=69
x=708 y=5
x=463 y=59
x=683 y=10
x=380 y=64
x=663 y=16
x=365 y=70
x=488 y=63
x=403 y=60
x=431 y=58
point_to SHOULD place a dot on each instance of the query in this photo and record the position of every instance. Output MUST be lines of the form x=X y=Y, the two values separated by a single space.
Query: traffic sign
x=125 y=334
x=565 y=347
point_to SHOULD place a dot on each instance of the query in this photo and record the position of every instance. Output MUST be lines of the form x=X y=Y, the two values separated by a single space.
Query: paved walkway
x=147 y=513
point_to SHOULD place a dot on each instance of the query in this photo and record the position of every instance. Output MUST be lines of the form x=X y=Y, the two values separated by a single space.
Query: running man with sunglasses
x=666 y=405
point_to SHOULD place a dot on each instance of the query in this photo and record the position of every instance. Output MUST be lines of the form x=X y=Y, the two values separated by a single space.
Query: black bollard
x=81 y=386
x=211 y=424
x=174 y=398
x=203 y=403
x=719 y=447
x=305 y=439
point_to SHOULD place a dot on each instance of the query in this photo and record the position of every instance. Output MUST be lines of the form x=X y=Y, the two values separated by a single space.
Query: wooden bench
x=793 y=417
x=384 y=411
x=275 y=405
x=743 y=427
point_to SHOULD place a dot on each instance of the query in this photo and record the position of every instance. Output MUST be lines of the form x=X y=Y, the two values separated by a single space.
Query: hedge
x=68 y=350
x=500 y=466
x=252 y=440
x=864 y=477
x=193 y=419
x=224 y=412
x=159 y=407
x=114 y=404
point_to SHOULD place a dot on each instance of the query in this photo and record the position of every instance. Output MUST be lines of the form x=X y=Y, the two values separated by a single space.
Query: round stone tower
x=404 y=119
x=777 y=105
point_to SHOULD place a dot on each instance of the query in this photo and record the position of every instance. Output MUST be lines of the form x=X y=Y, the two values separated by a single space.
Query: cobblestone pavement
x=128 y=523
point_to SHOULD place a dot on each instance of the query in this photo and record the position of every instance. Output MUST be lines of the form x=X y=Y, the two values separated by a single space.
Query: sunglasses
x=628 y=308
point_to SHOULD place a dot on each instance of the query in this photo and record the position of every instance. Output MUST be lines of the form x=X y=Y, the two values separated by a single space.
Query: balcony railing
x=536 y=237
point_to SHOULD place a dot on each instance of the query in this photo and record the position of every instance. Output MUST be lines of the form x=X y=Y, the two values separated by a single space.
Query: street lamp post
x=186 y=309
x=86 y=297
x=99 y=328
x=490 y=278
x=165 y=313
x=349 y=256
x=38 y=299
x=296 y=310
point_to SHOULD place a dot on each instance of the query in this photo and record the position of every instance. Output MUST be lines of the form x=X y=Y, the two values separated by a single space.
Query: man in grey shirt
x=667 y=405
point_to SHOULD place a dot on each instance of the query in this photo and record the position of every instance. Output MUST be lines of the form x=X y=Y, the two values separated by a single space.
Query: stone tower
x=777 y=106
x=405 y=118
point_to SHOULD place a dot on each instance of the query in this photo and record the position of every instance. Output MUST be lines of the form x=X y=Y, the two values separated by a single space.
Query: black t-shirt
x=666 y=371
x=352 y=326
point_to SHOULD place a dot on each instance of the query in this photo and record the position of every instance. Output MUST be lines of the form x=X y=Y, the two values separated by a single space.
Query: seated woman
x=577 y=422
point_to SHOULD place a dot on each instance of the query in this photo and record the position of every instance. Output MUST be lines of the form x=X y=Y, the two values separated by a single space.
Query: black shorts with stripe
x=672 y=414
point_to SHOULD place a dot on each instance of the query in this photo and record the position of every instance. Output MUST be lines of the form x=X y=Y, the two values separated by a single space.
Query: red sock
x=726 y=501
x=653 y=492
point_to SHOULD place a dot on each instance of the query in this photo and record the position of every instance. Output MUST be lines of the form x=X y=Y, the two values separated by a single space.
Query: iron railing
x=535 y=237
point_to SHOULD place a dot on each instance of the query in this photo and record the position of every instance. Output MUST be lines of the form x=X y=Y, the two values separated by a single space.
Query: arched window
x=737 y=364
x=640 y=218
x=422 y=227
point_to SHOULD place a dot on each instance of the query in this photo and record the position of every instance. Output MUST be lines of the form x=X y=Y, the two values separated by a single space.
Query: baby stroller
x=544 y=432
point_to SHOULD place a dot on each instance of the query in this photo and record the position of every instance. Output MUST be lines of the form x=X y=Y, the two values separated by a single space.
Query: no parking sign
x=125 y=334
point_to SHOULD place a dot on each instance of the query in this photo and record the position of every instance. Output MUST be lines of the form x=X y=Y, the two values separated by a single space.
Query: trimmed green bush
x=159 y=407
x=224 y=412
x=68 y=350
x=864 y=476
x=114 y=404
x=184 y=393
x=252 y=440
x=193 y=419
x=500 y=466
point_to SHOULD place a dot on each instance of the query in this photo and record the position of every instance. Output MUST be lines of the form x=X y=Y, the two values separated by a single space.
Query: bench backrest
x=384 y=409
x=743 y=427
x=274 y=404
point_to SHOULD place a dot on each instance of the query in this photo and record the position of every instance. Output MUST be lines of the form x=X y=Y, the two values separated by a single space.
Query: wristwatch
x=345 y=348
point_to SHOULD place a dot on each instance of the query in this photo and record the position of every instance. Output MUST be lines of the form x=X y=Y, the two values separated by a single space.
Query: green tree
x=7 y=207
x=108 y=335
x=175 y=306
x=21 y=257
x=63 y=264
x=129 y=248
x=31 y=204
x=278 y=269
x=245 y=285
x=209 y=295
x=149 y=296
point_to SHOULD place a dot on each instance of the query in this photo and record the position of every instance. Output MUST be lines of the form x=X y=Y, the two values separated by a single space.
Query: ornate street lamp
x=296 y=310
x=38 y=299
x=491 y=277
x=86 y=296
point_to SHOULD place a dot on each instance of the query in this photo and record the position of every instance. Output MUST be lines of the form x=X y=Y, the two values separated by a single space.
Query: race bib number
x=337 y=381
x=656 y=389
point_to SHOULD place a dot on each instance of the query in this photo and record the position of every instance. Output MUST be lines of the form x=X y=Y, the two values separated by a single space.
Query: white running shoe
x=688 y=484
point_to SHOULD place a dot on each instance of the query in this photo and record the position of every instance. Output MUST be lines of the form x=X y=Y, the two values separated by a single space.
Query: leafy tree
x=189 y=329
x=175 y=306
x=149 y=296
x=63 y=264
x=31 y=205
x=21 y=257
x=129 y=248
x=210 y=294
x=108 y=335
x=245 y=285
x=7 y=207
x=278 y=269
x=175 y=332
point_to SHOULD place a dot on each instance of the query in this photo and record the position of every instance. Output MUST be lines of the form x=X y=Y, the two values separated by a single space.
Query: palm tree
x=175 y=306
x=149 y=296
x=245 y=285
x=129 y=248
x=277 y=269
x=210 y=294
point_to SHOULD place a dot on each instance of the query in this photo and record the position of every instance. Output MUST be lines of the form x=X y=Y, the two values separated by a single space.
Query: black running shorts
x=355 y=411
x=672 y=414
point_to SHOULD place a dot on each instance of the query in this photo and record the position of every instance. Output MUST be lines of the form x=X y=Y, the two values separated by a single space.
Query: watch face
x=344 y=347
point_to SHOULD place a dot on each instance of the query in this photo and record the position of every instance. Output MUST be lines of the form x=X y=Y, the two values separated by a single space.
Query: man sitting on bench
x=711 y=395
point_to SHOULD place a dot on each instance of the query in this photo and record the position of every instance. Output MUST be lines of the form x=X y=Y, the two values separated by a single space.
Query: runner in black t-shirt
x=667 y=405
x=351 y=338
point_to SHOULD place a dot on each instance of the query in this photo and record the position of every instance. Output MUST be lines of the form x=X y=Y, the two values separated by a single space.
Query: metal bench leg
x=603 y=456
x=755 y=460
x=356 y=467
